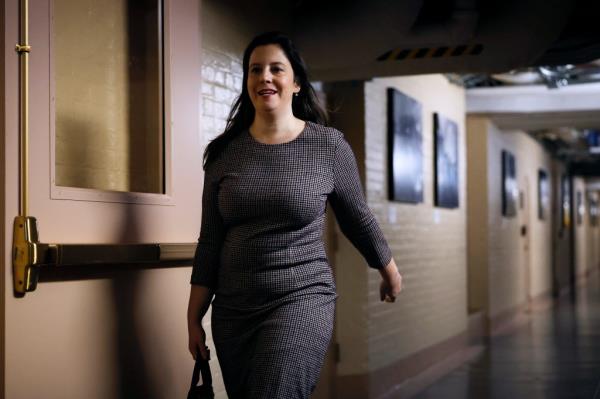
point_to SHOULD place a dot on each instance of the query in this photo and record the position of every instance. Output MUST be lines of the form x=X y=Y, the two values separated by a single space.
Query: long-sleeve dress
x=261 y=250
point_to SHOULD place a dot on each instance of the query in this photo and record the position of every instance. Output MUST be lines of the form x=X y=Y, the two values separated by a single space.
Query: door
x=92 y=333
x=526 y=240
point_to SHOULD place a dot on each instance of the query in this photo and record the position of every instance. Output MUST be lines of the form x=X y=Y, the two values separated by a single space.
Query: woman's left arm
x=357 y=221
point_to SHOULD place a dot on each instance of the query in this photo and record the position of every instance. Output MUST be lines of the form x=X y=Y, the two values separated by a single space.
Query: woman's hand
x=391 y=283
x=200 y=298
x=197 y=340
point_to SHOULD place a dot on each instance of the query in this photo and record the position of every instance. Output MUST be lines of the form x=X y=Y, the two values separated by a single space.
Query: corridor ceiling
x=361 y=39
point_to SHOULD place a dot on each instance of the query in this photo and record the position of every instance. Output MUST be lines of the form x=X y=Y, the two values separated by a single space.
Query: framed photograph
x=510 y=190
x=580 y=207
x=543 y=194
x=593 y=205
x=565 y=199
x=446 y=162
x=405 y=148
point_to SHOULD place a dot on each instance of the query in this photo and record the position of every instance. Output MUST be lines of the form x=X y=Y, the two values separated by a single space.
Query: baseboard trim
x=542 y=301
x=505 y=320
x=476 y=328
x=509 y=319
x=386 y=380
x=383 y=382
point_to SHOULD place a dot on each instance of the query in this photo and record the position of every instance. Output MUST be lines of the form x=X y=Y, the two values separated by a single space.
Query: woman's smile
x=267 y=93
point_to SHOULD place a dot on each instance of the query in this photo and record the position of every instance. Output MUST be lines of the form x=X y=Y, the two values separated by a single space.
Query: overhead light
x=519 y=77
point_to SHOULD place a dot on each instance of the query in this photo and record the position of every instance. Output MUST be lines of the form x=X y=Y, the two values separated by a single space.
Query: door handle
x=29 y=255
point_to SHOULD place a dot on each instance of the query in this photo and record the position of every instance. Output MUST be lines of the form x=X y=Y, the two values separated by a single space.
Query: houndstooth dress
x=261 y=250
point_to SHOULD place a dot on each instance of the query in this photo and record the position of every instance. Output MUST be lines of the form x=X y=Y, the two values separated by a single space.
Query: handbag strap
x=202 y=367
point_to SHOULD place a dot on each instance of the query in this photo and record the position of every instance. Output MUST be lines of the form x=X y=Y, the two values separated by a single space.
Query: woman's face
x=271 y=84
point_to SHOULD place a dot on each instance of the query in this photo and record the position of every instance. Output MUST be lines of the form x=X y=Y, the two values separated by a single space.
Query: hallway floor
x=555 y=354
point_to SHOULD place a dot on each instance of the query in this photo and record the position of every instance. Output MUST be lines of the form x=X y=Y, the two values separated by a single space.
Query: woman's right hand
x=197 y=340
x=200 y=298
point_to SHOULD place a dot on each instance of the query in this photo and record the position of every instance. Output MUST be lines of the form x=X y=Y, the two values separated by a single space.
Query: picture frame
x=405 y=148
x=510 y=190
x=593 y=207
x=446 y=182
x=580 y=207
x=543 y=194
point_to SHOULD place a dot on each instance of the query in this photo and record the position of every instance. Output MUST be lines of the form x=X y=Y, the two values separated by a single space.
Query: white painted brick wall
x=221 y=84
x=428 y=243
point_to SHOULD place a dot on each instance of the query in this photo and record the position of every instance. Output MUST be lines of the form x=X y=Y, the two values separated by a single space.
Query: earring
x=296 y=94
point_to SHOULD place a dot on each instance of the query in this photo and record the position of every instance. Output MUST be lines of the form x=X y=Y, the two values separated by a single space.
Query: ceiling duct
x=343 y=40
x=341 y=34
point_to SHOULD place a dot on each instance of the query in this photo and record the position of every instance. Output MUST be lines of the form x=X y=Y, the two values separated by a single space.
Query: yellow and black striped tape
x=400 y=54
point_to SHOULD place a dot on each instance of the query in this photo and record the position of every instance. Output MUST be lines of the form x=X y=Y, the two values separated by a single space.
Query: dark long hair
x=305 y=105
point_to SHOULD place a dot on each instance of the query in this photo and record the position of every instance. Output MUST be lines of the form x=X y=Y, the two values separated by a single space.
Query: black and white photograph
x=543 y=194
x=405 y=148
x=510 y=190
x=593 y=210
x=446 y=162
x=580 y=207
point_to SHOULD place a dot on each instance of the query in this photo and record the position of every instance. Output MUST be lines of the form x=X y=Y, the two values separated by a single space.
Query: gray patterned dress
x=261 y=250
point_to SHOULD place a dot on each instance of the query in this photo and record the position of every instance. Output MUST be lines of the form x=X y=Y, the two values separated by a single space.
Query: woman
x=268 y=178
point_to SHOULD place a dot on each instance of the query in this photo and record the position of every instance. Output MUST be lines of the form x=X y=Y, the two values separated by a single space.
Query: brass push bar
x=90 y=254
x=29 y=254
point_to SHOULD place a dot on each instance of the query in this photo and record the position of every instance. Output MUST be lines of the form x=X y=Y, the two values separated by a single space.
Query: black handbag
x=204 y=391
